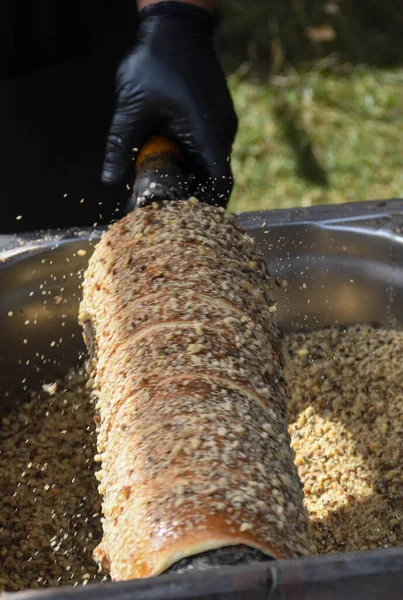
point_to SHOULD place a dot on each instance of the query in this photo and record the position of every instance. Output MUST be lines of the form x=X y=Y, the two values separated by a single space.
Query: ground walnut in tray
x=346 y=423
x=50 y=507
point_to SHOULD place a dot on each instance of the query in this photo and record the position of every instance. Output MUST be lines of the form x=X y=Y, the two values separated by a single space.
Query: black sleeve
x=36 y=34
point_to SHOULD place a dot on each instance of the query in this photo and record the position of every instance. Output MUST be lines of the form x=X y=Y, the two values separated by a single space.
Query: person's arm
x=171 y=84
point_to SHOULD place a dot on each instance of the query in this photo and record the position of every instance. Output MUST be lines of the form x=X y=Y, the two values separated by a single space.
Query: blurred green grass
x=318 y=139
x=318 y=90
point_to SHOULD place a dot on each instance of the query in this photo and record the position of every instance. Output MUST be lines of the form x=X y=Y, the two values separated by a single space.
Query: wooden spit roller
x=187 y=367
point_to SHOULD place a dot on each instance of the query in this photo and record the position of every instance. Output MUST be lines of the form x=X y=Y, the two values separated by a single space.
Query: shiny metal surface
x=336 y=265
x=333 y=265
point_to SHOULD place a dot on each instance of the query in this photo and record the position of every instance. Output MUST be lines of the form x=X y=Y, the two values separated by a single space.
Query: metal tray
x=333 y=265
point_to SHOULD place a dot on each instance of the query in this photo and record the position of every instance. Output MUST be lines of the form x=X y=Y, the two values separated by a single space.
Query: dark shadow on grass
x=308 y=165
x=269 y=35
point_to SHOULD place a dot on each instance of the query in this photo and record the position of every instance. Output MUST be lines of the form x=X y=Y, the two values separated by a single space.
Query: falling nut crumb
x=195 y=348
x=195 y=443
x=302 y=352
x=50 y=388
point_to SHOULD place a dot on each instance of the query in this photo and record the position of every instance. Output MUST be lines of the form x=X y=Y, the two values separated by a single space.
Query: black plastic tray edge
x=369 y=575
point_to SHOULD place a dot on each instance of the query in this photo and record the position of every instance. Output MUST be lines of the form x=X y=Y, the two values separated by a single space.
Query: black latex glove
x=171 y=84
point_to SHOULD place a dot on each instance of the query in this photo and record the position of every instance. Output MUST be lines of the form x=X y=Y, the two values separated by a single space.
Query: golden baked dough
x=188 y=373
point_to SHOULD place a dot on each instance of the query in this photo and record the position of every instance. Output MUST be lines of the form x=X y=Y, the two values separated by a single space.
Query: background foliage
x=318 y=89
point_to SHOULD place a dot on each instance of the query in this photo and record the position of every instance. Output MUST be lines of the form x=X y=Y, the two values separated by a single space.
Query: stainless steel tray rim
x=375 y=257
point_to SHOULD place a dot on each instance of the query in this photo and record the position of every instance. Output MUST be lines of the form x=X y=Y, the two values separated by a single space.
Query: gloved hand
x=171 y=84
